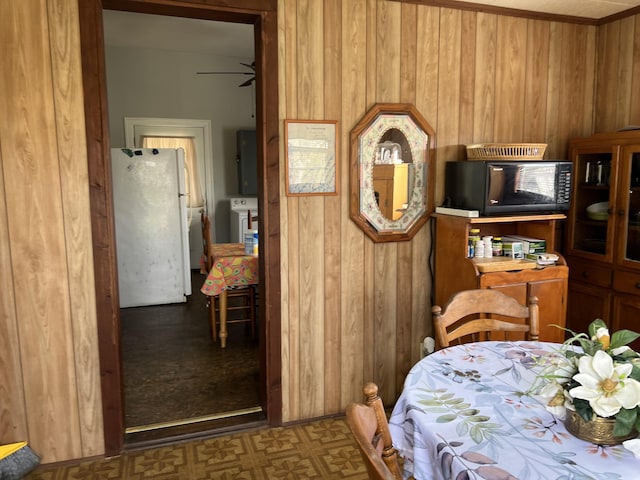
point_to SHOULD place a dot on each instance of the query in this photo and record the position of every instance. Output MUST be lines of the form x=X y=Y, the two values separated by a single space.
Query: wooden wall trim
x=107 y=304
x=619 y=16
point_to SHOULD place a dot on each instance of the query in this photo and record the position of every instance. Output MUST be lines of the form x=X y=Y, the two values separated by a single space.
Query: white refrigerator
x=152 y=237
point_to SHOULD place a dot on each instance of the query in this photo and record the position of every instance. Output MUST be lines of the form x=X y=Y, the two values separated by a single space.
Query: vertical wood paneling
x=408 y=52
x=290 y=240
x=448 y=89
x=607 y=76
x=13 y=418
x=467 y=76
x=384 y=302
x=369 y=74
x=389 y=35
x=625 y=70
x=510 y=79
x=404 y=286
x=385 y=264
x=359 y=313
x=485 y=75
x=353 y=343
x=332 y=204
x=537 y=65
x=573 y=84
x=427 y=64
x=554 y=84
x=67 y=82
x=36 y=232
x=634 y=113
x=589 y=80
x=311 y=213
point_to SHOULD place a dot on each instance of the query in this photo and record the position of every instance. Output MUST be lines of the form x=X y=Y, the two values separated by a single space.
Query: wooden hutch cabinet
x=603 y=247
x=455 y=272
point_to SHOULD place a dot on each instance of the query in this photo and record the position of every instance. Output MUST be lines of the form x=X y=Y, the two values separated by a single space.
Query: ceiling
x=592 y=9
x=126 y=29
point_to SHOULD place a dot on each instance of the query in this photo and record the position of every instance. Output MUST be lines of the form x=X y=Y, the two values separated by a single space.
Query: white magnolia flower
x=620 y=350
x=605 y=385
x=553 y=397
x=602 y=334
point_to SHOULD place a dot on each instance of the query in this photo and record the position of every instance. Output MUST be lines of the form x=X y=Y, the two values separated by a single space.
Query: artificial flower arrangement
x=601 y=378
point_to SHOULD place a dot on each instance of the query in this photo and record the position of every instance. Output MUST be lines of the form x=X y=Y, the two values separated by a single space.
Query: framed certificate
x=311 y=156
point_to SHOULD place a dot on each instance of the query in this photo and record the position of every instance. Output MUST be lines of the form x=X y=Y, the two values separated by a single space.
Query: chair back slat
x=482 y=311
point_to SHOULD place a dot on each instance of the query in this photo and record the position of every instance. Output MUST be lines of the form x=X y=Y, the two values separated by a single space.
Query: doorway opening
x=173 y=373
x=262 y=14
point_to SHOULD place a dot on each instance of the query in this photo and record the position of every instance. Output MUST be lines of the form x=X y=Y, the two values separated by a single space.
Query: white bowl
x=598 y=211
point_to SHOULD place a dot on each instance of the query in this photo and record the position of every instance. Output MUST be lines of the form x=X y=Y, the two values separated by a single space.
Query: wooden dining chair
x=244 y=293
x=251 y=219
x=472 y=315
x=368 y=423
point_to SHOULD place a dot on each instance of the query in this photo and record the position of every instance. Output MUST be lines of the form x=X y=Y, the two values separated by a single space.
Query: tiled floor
x=322 y=449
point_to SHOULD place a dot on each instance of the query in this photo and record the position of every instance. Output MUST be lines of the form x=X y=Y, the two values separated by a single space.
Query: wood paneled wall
x=352 y=310
x=618 y=75
x=49 y=373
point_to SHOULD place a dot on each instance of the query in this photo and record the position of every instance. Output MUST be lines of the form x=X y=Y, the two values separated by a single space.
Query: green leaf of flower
x=595 y=325
x=583 y=408
x=625 y=419
x=623 y=337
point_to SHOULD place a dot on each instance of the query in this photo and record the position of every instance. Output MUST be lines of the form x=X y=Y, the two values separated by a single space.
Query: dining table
x=470 y=412
x=230 y=267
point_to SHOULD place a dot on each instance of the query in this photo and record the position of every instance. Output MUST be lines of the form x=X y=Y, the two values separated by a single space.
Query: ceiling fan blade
x=224 y=73
x=248 y=82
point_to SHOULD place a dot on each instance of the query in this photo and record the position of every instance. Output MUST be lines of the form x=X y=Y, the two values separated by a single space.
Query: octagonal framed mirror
x=392 y=165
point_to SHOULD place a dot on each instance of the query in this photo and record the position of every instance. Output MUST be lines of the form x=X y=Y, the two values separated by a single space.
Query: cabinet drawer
x=627 y=282
x=590 y=273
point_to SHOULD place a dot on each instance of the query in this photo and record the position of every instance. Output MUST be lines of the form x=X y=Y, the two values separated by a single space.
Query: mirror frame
x=364 y=138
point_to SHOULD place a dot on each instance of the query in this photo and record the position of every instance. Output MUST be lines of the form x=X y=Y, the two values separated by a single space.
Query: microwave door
x=496 y=181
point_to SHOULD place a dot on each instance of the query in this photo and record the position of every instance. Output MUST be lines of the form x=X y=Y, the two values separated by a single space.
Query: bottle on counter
x=479 y=249
x=474 y=236
x=496 y=246
x=488 y=252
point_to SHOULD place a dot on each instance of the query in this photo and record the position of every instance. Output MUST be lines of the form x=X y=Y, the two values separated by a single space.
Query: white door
x=200 y=131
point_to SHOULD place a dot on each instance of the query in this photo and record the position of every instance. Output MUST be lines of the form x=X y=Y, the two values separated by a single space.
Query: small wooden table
x=230 y=267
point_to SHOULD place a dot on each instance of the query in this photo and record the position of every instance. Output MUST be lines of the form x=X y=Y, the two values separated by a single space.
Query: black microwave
x=508 y=186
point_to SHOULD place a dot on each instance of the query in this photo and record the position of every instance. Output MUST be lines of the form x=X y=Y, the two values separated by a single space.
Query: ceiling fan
x=243 y=84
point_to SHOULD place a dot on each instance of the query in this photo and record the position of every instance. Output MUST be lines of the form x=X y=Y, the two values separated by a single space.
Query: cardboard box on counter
x=529 y=245
x=512 y=248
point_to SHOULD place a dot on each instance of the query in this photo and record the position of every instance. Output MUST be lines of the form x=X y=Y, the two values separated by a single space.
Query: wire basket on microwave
x=504 y=151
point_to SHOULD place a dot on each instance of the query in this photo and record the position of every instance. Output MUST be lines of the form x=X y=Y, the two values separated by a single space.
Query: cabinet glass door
x=593 y=198
x=628 y=207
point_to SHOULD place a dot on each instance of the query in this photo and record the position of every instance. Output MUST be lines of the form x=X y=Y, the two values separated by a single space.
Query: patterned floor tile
x=322 y=449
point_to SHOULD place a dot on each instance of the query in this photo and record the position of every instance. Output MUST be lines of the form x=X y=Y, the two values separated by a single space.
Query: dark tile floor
x=173 y=371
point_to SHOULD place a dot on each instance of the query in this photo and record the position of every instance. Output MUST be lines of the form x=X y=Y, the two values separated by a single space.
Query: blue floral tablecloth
x=466 y=412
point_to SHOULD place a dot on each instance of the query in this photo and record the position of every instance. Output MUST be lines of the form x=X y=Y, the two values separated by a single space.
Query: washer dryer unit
x=240 y=218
